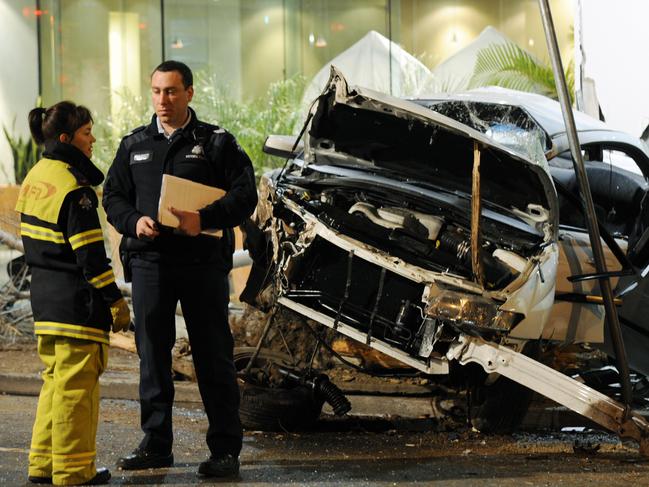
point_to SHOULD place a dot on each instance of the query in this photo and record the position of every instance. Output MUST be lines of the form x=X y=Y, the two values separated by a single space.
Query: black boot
x=39 y=480
x=220 y=466
x=101 y=477
x=141 y=459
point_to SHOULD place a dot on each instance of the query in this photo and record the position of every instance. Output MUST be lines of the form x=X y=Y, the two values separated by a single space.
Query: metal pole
x=587 y=201
x=264 y=332
x=39 y=53
x=162 y=26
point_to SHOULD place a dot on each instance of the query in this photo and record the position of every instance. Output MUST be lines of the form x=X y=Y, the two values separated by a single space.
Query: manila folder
x=184 y=194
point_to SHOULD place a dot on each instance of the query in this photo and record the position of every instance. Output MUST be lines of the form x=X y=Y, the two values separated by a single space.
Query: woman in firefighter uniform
x=73 y=293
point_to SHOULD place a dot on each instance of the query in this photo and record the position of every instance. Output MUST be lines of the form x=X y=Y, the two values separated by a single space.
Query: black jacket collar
x=152 y=128
x=82 y=167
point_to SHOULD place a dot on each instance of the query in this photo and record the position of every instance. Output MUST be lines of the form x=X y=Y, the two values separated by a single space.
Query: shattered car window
x=508 y=125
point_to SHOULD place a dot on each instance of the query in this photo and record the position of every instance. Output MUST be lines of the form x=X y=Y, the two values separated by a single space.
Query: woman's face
x=83 y=139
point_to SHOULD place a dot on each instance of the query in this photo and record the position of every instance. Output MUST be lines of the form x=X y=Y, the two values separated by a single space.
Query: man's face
x=170 y=97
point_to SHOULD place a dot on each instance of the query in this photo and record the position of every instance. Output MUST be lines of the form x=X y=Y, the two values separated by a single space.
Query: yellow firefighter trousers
x=63 y=438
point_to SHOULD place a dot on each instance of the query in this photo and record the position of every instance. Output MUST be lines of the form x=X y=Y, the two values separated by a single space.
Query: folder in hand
x=184 y=194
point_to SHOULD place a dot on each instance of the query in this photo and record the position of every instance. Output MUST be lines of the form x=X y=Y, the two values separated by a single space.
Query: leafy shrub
x=276 y=112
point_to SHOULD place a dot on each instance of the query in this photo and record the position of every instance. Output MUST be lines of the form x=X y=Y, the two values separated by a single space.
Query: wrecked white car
x=617 y=166
x=428 y=240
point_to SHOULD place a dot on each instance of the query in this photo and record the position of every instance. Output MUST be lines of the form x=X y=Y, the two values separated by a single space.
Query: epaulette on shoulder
x=210 y=128
x=135 y=131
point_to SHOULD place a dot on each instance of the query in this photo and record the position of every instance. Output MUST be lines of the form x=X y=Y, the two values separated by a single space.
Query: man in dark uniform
x=182 y=265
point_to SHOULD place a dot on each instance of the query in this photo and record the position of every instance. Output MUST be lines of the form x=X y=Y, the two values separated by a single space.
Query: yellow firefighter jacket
x=72 y=283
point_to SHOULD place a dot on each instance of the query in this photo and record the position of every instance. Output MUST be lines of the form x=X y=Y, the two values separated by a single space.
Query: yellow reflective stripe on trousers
x=74 y=459
x=40 y=450
x=72 y=331
x=75 y=455
x=84 y=238
x=41 y=233
x=103 y=280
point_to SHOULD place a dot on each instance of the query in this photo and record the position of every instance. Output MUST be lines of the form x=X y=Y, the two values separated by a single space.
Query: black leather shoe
x=101 y=477
x=221 y=466
x=39 y=480
x=141 y=459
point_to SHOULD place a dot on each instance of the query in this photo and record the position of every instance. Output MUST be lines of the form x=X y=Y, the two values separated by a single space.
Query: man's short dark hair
x=182 y=68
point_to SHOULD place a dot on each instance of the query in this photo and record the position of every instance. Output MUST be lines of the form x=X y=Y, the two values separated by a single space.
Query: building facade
x=94 y=51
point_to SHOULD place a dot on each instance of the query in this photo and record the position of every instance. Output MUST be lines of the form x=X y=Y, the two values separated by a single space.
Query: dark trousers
x=202 y=290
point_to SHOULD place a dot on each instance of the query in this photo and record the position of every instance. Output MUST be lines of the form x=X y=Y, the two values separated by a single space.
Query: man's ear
x=190 y=93
x=64 y=138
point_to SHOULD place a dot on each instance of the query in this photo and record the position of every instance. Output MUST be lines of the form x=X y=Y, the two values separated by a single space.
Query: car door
x=619 y=190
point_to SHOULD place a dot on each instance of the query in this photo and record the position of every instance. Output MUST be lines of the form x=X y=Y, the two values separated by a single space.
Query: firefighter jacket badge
x=197 y=150
x=85 y=202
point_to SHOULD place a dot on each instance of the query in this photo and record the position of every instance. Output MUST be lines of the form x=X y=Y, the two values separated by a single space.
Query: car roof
x=547 y=114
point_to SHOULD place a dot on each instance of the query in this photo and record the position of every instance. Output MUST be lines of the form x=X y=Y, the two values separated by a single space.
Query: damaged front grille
x=372 y=299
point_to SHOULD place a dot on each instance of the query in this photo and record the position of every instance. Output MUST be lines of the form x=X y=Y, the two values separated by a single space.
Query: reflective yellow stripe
x=40 y=451
x=103 y=280
x=73 y=459
x=41 y=448
x=72 y=331
x=41 y=233
x=84 y=238
x=72 y=463
x=64 y=456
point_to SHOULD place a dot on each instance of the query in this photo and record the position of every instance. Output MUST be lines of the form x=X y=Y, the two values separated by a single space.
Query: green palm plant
x=509 y=66
x=25 y=153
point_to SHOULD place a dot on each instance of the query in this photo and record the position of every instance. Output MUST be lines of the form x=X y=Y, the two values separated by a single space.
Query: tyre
x=501 y=406
x=270 y=405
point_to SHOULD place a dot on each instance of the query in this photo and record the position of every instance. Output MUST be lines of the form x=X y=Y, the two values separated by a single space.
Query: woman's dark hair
x=63 y=118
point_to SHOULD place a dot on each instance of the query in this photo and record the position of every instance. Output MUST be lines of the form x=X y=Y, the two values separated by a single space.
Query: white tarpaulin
x=377 y=63
x=454 y=74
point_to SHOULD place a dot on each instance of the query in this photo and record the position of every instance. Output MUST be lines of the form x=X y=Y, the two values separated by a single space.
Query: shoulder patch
x=219 y=130
x=85 y=202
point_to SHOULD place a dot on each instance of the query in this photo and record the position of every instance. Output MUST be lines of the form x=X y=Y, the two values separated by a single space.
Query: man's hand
x=121 y=315
x=146 y=227
x=190 y=221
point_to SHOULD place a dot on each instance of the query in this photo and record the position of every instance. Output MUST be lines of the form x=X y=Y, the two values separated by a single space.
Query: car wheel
x=268 y=406
x=501 y=406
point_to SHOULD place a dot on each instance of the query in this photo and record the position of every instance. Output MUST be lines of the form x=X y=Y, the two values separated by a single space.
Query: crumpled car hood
x=356 y=127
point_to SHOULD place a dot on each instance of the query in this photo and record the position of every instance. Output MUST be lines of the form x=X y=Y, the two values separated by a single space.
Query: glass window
x=100 y=52
x=91 y=49
x=207 y=36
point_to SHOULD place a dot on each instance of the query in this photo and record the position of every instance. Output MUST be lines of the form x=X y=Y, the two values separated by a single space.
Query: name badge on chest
x=141 y=157
x=197 y=152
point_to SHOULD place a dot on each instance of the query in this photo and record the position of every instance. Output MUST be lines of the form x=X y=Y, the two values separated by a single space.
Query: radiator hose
x=323 y=389
x=331 y=393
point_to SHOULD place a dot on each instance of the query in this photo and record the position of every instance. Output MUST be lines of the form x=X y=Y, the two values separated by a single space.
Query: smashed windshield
x=507 y=125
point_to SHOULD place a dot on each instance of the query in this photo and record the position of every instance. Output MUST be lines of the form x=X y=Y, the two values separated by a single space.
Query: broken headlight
x=470 y=310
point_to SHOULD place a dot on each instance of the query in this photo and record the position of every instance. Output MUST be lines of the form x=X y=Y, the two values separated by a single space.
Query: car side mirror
x=282 y=146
